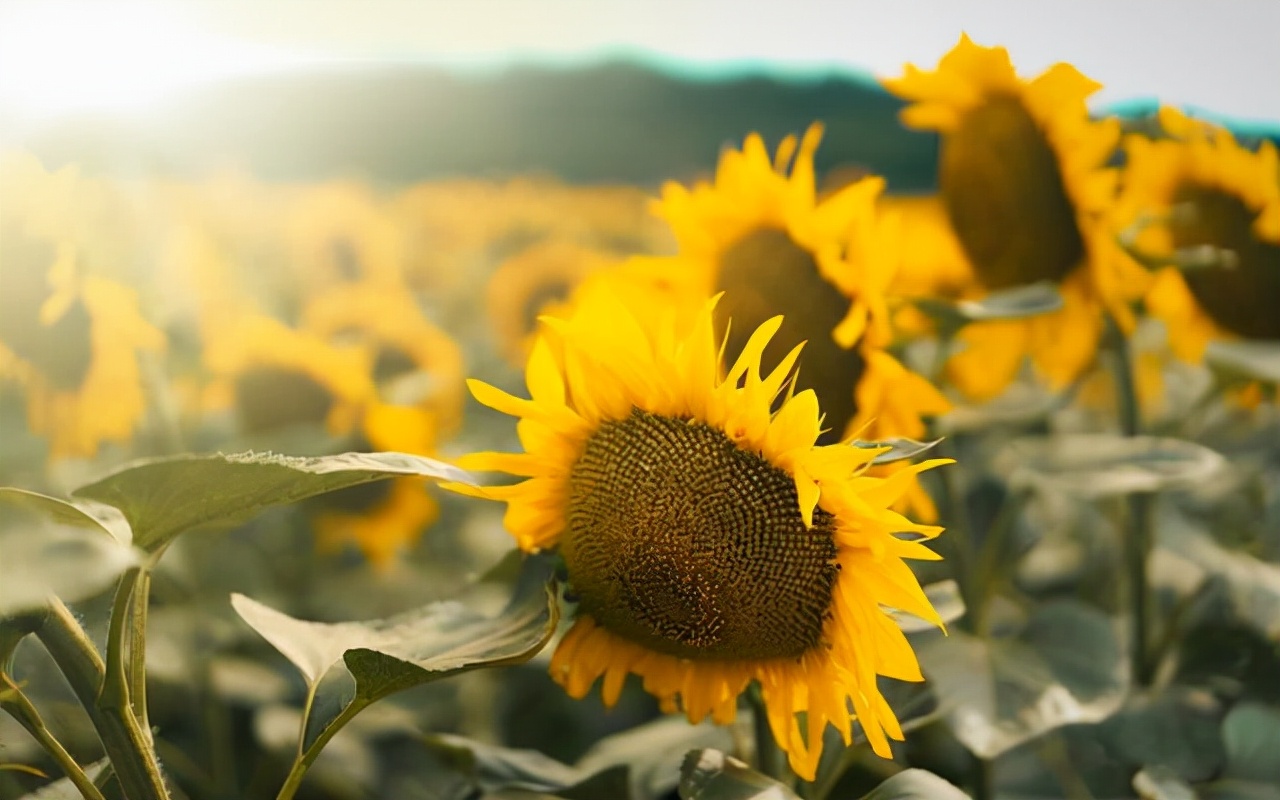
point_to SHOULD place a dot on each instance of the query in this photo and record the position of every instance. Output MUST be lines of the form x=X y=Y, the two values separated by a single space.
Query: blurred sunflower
x=1023 y=178
x=759 y=234
x=415 y=363
x=341 y=233
x=276 y=377
x=709 y=541
x=1200 y=193
x=534 y=282
x=73 y=342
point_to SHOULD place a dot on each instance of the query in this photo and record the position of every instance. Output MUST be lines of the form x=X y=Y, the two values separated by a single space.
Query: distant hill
x=617 y=122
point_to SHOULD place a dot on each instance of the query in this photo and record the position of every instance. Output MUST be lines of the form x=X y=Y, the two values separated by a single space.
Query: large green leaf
x=1019 y=302
x=653 y=752
x=49 y=546
x=384 y=656
x=1066 y=666
x=1177 y=730
x=494 y=769
x=63 y=788
x=1252 y=585
x=916 y=784
x=1093 y=465
x=711 y=775
x=1245 y=360
x=1251 y=733
x=164 y=497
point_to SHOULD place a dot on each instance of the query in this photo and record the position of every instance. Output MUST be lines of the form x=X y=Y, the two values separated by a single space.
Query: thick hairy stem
x=127 y=746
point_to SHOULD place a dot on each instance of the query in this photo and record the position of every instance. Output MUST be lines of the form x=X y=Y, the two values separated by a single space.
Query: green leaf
x=1245 y=360
x=916 y=784
x=53 y=547
x=1161 y=783
x=1065 y=667
x=75 y=513
x=1252 y=585
x=499 y=769
x=711 y=775
x=1177 y=730
x=384 y=656
x=1251 y=733
x=164 y=497
x=900 y=449
x=63 y=788
x=654 y=751
x=1019 y=302
x=1094 y=465
x=946 y=600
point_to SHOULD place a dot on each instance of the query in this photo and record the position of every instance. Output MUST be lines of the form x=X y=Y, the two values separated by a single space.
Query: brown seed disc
x=1242 y=298
x=764 y=274
x=682 y=542
x=1005 y=195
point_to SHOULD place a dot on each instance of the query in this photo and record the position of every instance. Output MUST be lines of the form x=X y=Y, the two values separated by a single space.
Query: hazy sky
x=60 y=55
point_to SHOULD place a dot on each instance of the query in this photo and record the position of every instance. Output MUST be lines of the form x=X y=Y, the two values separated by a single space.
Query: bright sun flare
x=66 y=57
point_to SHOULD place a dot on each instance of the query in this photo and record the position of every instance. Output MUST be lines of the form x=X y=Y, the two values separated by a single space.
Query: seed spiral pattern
x=685 y=543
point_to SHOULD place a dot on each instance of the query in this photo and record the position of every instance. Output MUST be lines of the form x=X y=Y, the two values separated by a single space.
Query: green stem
x=130 y=750
x=20 y=708
x=993 y=549
x=1140 y=536
x=769 y=757
x=138 y=649
x=304 y=761
x=1138 y=544
x=115 y=683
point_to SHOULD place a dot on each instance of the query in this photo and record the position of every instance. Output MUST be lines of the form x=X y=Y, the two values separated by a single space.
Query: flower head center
x=1004 y=192
x=682 y=542
x=1242 y=297
x=765 y=273
x=269 y=398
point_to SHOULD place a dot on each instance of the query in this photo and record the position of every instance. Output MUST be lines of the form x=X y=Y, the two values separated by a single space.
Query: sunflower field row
x=813 y=489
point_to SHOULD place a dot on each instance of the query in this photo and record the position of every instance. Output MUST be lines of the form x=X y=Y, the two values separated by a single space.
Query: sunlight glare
x=58 y=58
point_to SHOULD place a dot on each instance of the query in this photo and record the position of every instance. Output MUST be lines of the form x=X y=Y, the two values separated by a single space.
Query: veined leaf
x=164 y=497
x=711 y=775
x=54 y=547
x=1093 y=465
x=916 y=784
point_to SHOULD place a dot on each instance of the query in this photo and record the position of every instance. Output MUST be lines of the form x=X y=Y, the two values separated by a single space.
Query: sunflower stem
x=1139 y=537
x=303 y=761
x=769 y=760
x=20 y=707
x=132 y=755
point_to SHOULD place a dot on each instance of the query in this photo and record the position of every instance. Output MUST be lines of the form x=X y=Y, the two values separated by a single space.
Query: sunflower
x=1200 y=191
x=759 y=234
x=415 y=363
x=73 y=342
x=534 y=282
x=1023 y=177
x=277 y=377
x=710 y=542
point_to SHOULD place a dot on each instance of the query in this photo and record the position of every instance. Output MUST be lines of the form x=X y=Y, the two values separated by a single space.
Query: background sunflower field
x=895 y=434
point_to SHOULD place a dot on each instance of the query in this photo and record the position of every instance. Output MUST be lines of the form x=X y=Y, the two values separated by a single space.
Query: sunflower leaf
x=916 y=784
x=1251 y=733
x=1245 y=360
x=63 y=788
x=1094 y=465
x=494 y=769
x=1065 y=667
x=1161 y=783
x=165 y=497
x=1019 y=302
x=900 y=449
x=653 y=752
x=383 y=656
x=711 y=775
x=70 y=549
